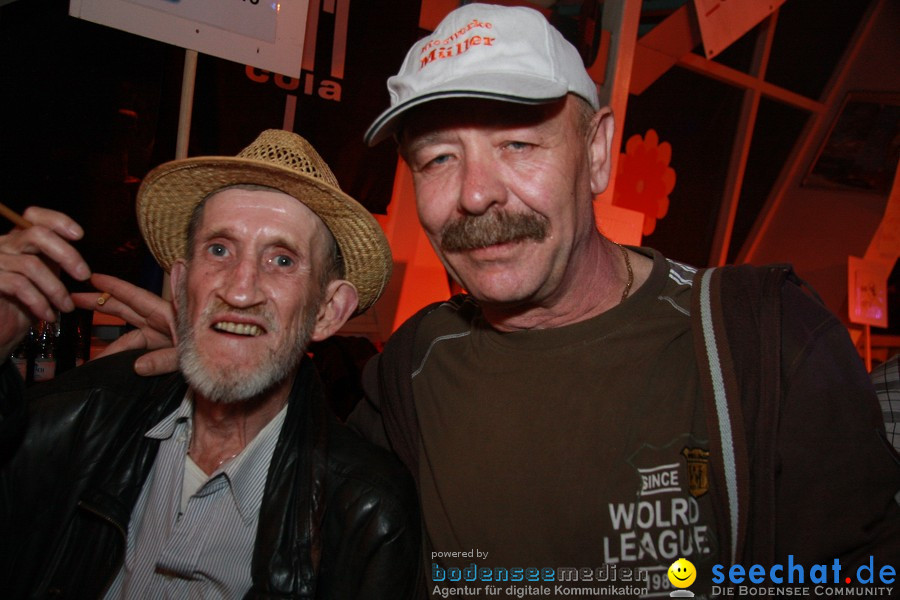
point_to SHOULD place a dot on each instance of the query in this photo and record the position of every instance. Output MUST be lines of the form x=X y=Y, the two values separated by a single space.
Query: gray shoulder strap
x=721 y=406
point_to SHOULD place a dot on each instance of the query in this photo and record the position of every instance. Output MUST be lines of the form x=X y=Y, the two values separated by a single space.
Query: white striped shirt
x=205 y=552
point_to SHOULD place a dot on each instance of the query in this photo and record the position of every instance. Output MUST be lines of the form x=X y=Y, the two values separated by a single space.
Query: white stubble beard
x=233 y=385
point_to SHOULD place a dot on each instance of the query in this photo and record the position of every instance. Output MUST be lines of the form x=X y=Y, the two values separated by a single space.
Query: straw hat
x=281 y=160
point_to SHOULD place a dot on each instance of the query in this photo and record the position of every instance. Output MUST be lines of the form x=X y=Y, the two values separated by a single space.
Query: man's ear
x=602 y=128
x=338 y=304
x=176 y=276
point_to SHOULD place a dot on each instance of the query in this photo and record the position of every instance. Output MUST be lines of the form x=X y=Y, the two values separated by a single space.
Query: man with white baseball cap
x=586 y=404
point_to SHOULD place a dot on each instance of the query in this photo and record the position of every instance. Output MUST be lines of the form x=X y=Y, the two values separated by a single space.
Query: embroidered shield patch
x=698 y=470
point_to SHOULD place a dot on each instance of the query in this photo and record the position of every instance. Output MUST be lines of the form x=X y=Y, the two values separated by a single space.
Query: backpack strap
x=737 y=336
x=721 y=393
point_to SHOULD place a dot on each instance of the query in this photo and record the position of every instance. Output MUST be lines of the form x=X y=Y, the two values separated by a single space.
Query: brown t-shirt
x=579 y=446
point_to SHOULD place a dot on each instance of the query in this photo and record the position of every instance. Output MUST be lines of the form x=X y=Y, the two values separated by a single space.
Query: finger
x=27 y=279
x=133 y=340
x=155 y=310
x=88 y=301
x=157 y=362
x=54 y=220
x=31 y=302
x=40 y=240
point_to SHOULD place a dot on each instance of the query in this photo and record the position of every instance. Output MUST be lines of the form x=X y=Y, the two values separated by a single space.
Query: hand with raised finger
x=30 y=261
x=152 y=317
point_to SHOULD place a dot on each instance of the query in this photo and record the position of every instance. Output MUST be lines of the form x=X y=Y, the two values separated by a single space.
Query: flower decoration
x=644 y=178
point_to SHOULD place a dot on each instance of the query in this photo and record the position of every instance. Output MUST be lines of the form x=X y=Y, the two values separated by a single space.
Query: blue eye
x=217 y=250
x=283 y=261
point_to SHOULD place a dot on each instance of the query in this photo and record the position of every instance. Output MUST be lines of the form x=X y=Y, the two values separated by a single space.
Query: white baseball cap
x=512 y=54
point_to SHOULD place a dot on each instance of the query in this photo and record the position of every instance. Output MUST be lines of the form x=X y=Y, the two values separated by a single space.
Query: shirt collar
x=248 y=471
x=183 y=414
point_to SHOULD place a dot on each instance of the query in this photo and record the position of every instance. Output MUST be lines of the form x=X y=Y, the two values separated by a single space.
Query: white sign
x=267 y=34
x=722 y=22
x=867 y=292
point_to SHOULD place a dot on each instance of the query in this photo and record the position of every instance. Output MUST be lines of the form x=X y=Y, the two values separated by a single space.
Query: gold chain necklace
x=630 y=281
x=221 y=462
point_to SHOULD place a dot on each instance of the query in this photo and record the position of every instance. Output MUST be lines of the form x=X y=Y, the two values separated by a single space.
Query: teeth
x=238 y=328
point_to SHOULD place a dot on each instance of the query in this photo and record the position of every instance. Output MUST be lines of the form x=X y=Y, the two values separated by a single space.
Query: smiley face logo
x=682 y=573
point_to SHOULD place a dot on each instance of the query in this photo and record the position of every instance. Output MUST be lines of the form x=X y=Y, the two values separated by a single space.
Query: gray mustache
x=480 y=231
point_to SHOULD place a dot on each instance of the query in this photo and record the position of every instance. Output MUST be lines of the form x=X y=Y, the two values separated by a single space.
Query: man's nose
x=241 y=287
x=482 y=185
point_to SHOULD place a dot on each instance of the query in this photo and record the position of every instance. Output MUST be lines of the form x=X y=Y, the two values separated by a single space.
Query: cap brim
x=503 y=87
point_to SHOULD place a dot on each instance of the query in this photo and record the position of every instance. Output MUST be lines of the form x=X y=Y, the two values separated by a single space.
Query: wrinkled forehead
x=255 y=208
x=448 y=114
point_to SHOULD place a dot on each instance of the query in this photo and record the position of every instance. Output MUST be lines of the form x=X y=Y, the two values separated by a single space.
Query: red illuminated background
x=770 y=161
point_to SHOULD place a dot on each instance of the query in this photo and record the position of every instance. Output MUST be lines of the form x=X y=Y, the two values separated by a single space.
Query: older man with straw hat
x=228 y=478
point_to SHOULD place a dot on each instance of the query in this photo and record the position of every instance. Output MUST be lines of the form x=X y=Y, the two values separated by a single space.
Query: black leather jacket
x=339 y=517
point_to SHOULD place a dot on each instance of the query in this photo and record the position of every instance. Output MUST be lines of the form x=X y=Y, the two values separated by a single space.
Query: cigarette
x=103 y=298
x=18 y=220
